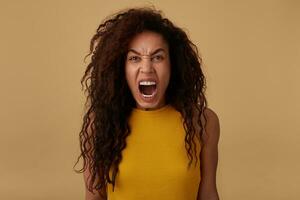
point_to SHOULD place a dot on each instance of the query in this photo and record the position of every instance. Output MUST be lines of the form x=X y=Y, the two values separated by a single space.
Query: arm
x=86 y=176
x=209 y=158
x=89 y=195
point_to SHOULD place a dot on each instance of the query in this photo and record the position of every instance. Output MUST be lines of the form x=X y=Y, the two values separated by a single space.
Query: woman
x=147 y=118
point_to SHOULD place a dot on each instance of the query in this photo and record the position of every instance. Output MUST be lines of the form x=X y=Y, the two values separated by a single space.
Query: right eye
x=134 y=58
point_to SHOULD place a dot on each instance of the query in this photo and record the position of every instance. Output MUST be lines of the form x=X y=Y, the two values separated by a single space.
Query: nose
x=146 y=65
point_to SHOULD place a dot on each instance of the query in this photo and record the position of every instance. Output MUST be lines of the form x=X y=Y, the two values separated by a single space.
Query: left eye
x=158 y=57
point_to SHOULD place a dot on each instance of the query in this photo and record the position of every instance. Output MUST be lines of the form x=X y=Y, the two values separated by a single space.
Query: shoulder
x=211 y=116
x=211 y=123
x=212 y=127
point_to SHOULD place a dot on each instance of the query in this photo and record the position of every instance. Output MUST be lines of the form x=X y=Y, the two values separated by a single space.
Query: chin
x=146 y=105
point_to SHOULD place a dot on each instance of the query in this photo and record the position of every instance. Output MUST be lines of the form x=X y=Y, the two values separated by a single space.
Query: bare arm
x=86 y=176
x=89 y=195
x=209 y=158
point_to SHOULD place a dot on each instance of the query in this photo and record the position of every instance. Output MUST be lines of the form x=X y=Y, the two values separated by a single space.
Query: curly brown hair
x=109 y=101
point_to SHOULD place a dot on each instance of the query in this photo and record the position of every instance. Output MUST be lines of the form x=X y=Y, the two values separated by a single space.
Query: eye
x=134 y=58
x=158 y=57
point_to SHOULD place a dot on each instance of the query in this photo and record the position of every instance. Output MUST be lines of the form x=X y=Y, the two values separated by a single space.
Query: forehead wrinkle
x=151 y=53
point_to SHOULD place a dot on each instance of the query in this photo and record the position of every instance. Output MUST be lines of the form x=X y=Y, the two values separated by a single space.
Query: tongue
x=148 y=89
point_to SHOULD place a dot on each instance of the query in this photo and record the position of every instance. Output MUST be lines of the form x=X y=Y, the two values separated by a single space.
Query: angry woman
x=147 y=119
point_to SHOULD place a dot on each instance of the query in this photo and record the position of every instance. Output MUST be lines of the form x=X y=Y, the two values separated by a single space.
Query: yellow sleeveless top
x=154 y=163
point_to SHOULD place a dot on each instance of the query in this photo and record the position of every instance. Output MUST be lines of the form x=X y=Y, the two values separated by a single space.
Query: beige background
x=251 y=53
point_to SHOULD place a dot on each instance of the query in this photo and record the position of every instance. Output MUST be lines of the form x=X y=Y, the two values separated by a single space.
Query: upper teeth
x=147 y=83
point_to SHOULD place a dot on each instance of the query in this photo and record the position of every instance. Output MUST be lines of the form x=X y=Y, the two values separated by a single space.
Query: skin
x=139 y=65
x=148 y=57
x=209 y=157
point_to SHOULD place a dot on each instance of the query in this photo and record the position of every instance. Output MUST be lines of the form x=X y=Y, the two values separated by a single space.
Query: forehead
x=148 y=41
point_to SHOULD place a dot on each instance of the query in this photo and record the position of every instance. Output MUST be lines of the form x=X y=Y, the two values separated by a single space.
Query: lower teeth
x=148 y=95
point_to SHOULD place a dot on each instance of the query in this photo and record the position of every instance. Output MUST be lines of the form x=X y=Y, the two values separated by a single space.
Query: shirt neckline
x=150 y=112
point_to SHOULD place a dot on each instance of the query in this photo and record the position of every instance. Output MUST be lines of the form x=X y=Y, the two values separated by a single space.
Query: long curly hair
x=109 y=101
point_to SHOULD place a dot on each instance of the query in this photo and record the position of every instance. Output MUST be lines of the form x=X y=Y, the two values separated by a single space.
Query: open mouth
x=147 y=88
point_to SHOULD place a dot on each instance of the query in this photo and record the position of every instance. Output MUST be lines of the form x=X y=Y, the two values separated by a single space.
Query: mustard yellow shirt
x=154 y=163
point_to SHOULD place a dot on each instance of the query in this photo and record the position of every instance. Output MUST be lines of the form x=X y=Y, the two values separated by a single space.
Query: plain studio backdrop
x=251 y=55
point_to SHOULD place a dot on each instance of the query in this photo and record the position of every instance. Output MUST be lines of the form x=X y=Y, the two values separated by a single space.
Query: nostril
x=147 y=69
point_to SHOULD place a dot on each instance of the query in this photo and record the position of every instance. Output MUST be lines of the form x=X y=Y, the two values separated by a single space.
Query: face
x=147 y=70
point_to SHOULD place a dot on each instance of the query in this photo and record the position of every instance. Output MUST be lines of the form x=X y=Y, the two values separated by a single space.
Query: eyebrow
x=156 y=51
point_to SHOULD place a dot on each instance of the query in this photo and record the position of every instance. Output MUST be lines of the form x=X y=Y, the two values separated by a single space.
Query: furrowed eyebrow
x=156 y=51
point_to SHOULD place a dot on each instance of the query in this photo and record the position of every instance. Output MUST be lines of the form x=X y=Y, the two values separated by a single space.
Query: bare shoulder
x=211 y=115
x=210 y=120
